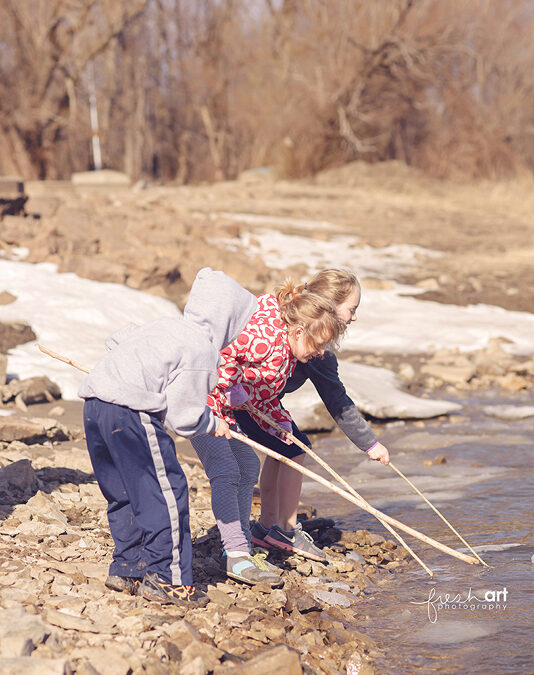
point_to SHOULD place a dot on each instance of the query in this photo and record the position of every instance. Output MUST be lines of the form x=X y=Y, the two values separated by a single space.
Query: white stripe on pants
x=168 y=495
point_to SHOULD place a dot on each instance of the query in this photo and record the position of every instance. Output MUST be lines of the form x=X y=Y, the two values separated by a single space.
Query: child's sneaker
x=297 y=541
x=250 y=570
x=258 y=534
x=129 y=585
x=155 y=588
x=259 y=554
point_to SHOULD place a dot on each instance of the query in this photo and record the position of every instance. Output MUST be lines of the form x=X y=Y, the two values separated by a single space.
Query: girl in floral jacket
x=280 y=485
x=287 y=327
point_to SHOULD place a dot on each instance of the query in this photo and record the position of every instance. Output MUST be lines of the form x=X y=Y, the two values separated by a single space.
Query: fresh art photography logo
x=490 y=600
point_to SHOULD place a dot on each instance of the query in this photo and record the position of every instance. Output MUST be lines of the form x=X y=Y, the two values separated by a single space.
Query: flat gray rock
x=510 y=412
x=331 y=598
x=20 y=632
x=34 y=666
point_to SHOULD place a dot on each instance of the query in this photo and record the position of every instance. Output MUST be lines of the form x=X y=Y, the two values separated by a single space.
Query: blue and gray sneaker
x=297 y=541
x=250 y=570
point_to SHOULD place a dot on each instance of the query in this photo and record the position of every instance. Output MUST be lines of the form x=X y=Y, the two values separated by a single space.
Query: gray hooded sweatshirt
x=169 y=366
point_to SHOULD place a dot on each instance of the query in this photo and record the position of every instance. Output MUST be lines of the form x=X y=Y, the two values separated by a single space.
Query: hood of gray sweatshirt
x=169 y=366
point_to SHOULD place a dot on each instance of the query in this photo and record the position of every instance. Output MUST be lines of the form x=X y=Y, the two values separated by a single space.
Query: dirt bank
x=156 y=237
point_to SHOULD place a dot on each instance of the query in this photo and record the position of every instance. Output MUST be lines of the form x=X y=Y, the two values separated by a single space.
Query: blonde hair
x=336 y=285
x=315 y=313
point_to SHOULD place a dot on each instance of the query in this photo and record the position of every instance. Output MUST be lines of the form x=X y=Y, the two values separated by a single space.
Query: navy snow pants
x=135 y=464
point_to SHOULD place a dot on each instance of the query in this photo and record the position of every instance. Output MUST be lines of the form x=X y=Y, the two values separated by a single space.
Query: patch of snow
x=390 y=323
x=71 y=316
x=279 y=251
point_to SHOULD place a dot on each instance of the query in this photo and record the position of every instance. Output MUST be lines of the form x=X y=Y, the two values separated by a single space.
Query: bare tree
x=201 y=90
x=47 y=44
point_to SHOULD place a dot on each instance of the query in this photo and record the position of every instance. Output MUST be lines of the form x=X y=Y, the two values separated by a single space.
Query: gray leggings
x=232 y=468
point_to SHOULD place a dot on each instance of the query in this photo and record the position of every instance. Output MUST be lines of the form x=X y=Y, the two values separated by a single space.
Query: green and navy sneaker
x=249 y=569
x=259 y=554
x=297 y=541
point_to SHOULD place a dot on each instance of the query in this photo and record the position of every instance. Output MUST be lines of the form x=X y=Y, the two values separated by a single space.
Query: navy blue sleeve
x=323 y=372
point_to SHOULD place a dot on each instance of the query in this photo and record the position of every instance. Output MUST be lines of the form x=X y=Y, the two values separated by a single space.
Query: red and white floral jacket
x=260 y=359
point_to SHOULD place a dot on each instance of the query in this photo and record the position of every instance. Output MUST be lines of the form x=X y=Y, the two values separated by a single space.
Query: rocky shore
x=57 y=616
x=156 y=237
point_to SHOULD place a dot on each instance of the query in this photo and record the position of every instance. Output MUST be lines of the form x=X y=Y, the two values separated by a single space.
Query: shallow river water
x=486 y=490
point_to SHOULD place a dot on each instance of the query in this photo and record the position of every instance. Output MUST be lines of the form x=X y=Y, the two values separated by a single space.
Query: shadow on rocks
x=19 y=482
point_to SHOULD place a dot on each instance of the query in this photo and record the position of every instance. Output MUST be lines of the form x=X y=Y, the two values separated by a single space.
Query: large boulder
x=15 y=229
x=13 y=333
x=449 y=365
x=493 y=360
x=34 y=430
x=95 y=267
x=38 y=389
x=280 y=659
x=18 y=482
x=21 y=429
x=28 y=665
x=20 y=633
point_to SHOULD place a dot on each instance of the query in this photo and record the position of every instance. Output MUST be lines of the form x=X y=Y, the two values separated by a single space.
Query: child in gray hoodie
x=154 y=376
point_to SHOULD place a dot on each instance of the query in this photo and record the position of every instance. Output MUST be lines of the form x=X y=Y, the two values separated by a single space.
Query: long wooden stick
x=438 y=512
x=62 y=358
x=340 y=479
x=350 y=489
x=354 y=500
